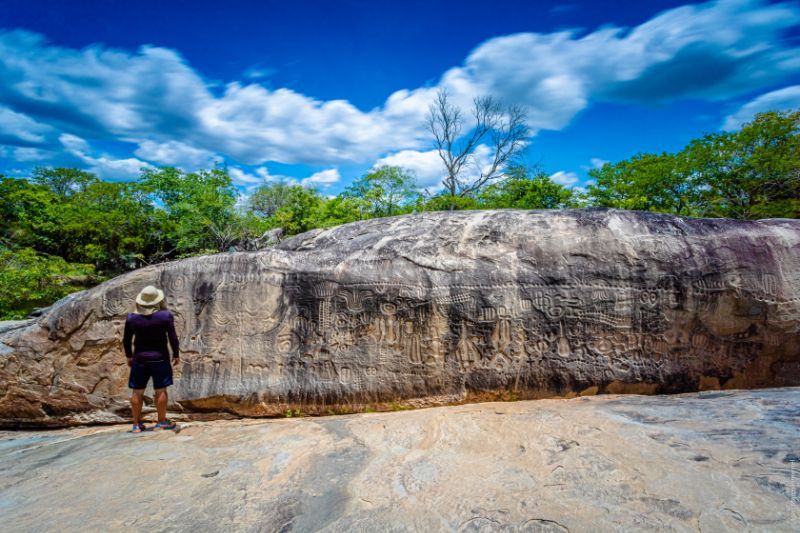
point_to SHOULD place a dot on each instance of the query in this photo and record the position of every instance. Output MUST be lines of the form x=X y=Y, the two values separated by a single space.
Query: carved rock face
x=434 y=308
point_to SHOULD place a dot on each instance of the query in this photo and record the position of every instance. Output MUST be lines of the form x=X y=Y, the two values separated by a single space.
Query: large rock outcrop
x=435 y=308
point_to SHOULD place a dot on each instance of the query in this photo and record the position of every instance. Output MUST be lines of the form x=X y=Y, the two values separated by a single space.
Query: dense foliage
x=63 y=229
x=748 y=174
x=29 y=280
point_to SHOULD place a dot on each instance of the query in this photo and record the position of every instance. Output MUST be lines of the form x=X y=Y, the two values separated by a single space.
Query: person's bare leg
x=137 y=399
x=161 y=404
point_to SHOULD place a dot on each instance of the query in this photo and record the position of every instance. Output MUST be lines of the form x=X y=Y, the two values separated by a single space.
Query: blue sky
x=319 y=92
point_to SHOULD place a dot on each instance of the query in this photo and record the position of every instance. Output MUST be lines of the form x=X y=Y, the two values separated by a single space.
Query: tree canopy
x=746 y=174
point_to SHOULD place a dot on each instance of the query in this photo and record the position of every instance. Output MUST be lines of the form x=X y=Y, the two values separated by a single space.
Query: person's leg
x=137 y=399
x=161 y=404
x=162 y=378
x=137 y=382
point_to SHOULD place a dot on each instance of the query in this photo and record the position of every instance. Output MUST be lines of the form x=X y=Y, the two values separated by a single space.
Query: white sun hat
x=148 y=300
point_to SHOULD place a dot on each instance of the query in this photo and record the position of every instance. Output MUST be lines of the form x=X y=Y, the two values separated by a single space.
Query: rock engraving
x=436 y=306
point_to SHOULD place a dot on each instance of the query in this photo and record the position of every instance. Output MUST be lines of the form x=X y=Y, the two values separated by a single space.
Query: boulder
x=268 y=239
x=434 y=308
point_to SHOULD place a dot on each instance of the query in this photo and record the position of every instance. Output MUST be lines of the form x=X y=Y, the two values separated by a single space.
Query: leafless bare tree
x=504 y=128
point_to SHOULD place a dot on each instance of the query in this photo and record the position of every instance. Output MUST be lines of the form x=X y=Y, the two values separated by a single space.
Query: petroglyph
x=554 y=303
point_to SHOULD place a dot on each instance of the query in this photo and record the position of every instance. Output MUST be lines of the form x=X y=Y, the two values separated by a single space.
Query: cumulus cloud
x=429 y=170
x=565 y=178
x=426 y=166
x=712 y=51
x=248 y=182
x=24 y=153
x=594 y=163
x=323 y=178
x=113 y=169
x=104 y=166
x=73 y=143
x=153 y=98
x=257 y=177
x=269 y=177
x=175 y=153
x=240 y=177
x=785 y=99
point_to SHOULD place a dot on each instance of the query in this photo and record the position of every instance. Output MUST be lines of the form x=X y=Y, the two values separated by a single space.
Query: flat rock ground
x=715 y=461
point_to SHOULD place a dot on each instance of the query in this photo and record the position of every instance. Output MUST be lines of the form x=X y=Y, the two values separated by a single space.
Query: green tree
x=110 y=225
x=520 y=191
x=647 y=182
x=386 y=191
x=113 y=226
x=338 y=210
x=29 y=214
x=751 y=173
x=189 y=204
x=447 y=202
x=291 y=207
x=241 y=227
x=63 y=181
x=29 y=280
x=268 y=198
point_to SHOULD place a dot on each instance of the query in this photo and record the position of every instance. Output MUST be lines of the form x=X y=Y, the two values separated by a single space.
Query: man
x=150 y=328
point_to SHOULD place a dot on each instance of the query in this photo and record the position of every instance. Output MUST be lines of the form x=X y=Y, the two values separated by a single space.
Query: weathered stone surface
x=713 y=461
x=268 y=238
x=436 y=307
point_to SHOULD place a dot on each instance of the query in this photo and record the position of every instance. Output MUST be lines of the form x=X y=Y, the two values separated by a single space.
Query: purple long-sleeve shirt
x=150 y=334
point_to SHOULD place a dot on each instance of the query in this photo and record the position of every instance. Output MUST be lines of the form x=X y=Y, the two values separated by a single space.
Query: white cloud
x=175 y=153
x=712 y=51
x=594 y=163
x=324 y=178
x=240 y=177
x=564 y=178
x=426 y=166
x=264 y=173
x=24 y=153
x=20 y=127
x=429 y=169
x=104 y=166
x=786 y=99
x=116 y=169
x=73 y=143
x=268 y=177
x=250 y=181
x=154 y=98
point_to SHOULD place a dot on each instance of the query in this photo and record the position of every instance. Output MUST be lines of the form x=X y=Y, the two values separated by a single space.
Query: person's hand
x=130 y=361
x=175 y=361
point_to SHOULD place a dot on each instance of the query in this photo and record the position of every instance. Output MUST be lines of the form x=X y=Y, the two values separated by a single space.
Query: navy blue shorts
x=142 y=371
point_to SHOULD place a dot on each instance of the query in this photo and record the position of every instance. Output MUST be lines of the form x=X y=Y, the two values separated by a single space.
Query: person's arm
x=127 y=341
x=173 y=339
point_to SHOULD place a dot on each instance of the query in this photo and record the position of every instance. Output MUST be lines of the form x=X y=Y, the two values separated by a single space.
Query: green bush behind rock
x=29 y=280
